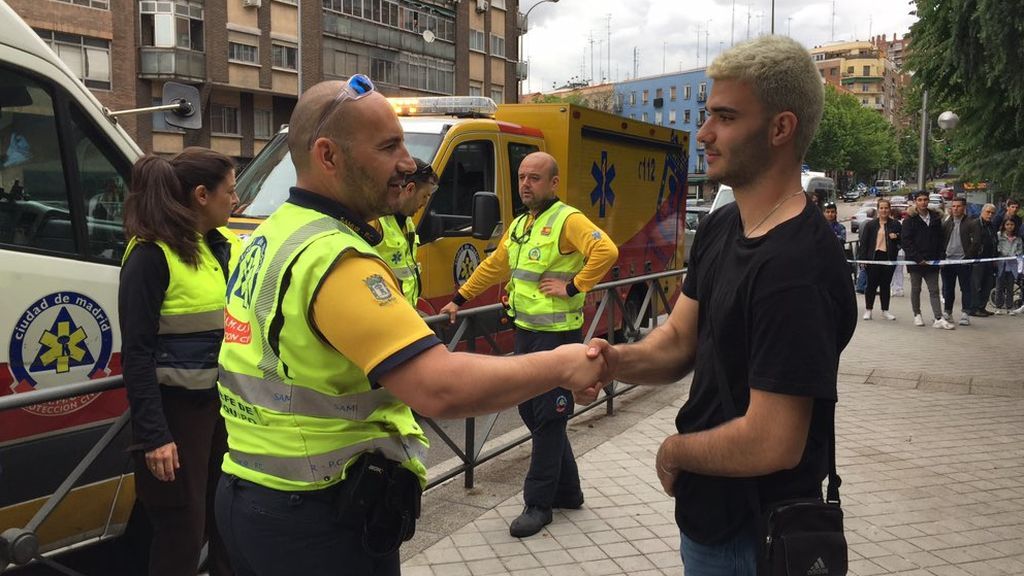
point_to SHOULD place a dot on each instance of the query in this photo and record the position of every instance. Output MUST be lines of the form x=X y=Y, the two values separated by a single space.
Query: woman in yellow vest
x=171 y=305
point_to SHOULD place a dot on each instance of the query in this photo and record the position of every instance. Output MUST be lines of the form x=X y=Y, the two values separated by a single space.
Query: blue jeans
x=735 y=557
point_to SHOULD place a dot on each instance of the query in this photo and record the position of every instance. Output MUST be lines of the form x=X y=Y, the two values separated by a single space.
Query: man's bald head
x=304 y=118
x=546 y=160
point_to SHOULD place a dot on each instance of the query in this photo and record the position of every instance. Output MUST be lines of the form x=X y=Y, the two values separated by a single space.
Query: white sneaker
x=887 y=315
x=1014 y=312
x=867 y=315
x=944 y=324
x=964 y=320
x=1000 y=312
x=918 y=321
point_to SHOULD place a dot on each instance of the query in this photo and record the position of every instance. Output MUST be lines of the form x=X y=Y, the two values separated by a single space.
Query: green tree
x=851 y=137
x=967 y=54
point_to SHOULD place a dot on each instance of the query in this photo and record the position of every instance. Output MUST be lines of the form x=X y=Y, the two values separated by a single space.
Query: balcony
x=702 y=96
x=522 y=24
x=171 y=64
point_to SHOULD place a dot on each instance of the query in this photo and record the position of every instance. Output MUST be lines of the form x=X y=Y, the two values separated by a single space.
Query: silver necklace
x=770 y=212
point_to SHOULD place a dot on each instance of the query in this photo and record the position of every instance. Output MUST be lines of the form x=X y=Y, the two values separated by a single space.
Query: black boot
x=531 y=521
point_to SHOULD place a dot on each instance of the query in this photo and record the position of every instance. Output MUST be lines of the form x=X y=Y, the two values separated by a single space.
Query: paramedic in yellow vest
x=554 y=255
x=399 y=240
x=323 y=361
x=171 y=307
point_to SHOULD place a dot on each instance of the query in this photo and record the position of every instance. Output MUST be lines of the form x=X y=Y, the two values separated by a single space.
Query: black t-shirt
x=774 y=314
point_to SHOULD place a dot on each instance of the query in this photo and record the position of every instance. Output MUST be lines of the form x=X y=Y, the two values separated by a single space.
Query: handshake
x=591 y=366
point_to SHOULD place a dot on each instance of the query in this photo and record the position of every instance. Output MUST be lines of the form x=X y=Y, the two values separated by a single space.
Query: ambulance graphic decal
x=63 y=337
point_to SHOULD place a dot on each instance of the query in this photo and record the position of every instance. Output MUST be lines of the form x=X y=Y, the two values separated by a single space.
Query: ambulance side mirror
x=486 y=214
x=188 y=115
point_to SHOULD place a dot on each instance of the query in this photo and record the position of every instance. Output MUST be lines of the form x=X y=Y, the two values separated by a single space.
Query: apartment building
x=862 y=69
x=251 y=58
x=676 y=100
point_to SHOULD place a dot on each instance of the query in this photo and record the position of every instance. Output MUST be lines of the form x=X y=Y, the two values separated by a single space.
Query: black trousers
x=553 y=475
x=879 y=280
x=182 y=512
x=983 y=279
x=951 y=274
x=276 y=533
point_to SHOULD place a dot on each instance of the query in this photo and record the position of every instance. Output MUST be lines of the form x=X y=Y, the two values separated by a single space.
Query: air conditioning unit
x=252 y=3
x=482 y=5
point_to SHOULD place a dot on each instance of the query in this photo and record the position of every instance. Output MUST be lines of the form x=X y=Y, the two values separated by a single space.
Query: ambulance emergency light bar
x=464 y=106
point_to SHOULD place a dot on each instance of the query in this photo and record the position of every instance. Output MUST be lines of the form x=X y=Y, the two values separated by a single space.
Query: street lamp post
x=948 y=120
x=526 y=26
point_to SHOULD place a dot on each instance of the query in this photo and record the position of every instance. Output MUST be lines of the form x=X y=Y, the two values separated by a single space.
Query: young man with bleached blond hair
x=766 y=309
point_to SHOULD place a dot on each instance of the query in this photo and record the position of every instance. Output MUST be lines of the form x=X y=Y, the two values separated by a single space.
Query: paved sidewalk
x=930 y=434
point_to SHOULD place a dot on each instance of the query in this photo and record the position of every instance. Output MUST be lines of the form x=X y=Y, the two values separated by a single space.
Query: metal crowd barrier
x=19 y=546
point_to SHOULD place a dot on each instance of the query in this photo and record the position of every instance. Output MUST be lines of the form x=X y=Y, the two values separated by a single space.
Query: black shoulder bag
x=800 y=537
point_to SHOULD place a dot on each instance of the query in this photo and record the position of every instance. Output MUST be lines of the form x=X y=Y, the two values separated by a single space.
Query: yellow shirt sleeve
x=579 y=234
x=492 y=270
x=361 y=312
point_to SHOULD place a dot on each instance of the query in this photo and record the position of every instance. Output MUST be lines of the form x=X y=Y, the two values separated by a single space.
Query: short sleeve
x=794 y=343
x=361 y=312
x=692 y=272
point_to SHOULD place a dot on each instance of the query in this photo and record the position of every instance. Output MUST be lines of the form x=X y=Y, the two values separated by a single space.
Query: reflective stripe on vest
x=188 y=378
x=194 y=322
x=323 y=467
x=283 y=397
x=544 y=319
x=528 y=276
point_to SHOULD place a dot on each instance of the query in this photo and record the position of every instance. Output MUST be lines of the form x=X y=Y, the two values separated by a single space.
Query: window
x=426 y=73
x=867 y=70
x=833 y=71
x=88 y=58
x=263 y=124
x=878 y=99
x=346 y=63
x=659 y=93
x=383 y=71
x=702 y=91
x=686 y=92
x=672 y=94
x=632 y=98
x=32 y=170
x=645 y=96
x=516 y=153
x=849 y=69
x=671 y=116
x=686 y=116
x=476 y=40
x=469 y=170
x=224 y=120
x=100 y=4
x=632 y=115
x=243 y=53
x=476 y=88
x=701 y=117
x=863 y=87
x=286 y=57
x=103 y=189
x=497 y=46
x=657 y=117
x=643 y=117
x=498 y=94
x=498 y=4
x=700 y=163
x=170 y=25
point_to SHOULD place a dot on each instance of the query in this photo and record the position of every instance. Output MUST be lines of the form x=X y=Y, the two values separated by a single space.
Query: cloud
x=665 y=33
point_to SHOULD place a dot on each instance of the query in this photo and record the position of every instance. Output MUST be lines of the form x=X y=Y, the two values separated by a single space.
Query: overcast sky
x=665 y=32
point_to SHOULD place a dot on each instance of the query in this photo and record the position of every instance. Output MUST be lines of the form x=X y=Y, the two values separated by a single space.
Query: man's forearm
x=653 y=361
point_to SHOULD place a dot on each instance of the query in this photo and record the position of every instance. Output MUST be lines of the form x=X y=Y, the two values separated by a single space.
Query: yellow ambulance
x=628 y=177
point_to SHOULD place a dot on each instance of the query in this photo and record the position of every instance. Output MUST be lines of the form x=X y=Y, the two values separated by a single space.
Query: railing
x=20 y=545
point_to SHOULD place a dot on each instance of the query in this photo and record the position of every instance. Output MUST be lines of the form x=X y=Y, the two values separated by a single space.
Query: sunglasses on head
x=356 y=87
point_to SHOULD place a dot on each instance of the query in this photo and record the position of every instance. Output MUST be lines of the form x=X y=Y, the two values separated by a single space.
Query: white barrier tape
x=1019 y=259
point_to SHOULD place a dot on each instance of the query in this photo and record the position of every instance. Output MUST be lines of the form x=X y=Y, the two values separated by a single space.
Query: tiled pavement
x=930 y=435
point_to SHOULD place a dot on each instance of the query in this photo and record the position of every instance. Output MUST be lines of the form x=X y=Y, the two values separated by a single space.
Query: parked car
x=694 y=215
x=851 y=195
x=862 y=215
x=900 y=205
x=883 y=187
x=936 y=202
x=947 y=193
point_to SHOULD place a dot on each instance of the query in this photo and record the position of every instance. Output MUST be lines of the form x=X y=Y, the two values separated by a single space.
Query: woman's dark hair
x=159 y=203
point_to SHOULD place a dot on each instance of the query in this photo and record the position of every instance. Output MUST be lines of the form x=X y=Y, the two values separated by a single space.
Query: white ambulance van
x=64 y=169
